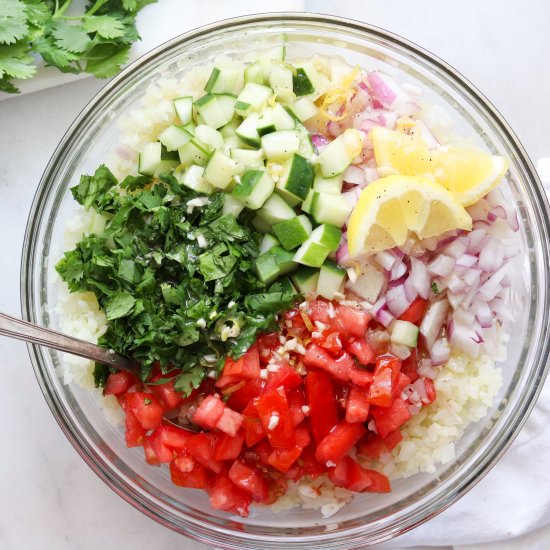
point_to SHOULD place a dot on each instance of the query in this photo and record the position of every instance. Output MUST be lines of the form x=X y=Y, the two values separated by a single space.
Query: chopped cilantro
x=435 y=290
x=167 y=299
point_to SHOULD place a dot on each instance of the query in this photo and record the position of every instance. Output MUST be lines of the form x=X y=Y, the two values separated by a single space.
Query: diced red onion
x=381 y=89
x=491 y=257
x=342 y=254
x=476 y=240
x=440 y=352
x=479 y=210
x=466 y=260
x=354 y=175
x=457 y=248
x=386 y=259
x=421 y=130
x=402 y=352
x=463 y=338
x=483 y=314
x=455 y=299
x=420 y=388
x=319 y=140
x=501 y=309
x=420 y=278
x=454 y=284
x=490 y=288
x=398 y=270
x=352 y=196
x=385 y=317
x=442 y=265
x=410 y=290
x=481 y=224
x=471 y=277
x=463 y=317
x=433 y=321
x=397 y=300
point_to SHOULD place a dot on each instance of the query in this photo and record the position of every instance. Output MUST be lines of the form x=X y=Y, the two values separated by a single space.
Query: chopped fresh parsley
x=96 y=41
x=167 y=299
x=435 y=290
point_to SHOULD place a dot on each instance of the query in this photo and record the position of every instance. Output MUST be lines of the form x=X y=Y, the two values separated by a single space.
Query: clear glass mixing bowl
x=369 y=518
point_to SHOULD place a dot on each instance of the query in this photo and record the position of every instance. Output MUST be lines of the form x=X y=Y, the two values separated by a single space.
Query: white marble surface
x=50 y=497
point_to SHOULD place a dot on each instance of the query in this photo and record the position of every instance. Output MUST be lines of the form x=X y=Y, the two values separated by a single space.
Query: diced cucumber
x=281 y=145
x=304 y=109
x=232 y=206
x=193 y=153
x=247 y=131
x=189 y=127
x=151 y=161
x=210 y=137
x=273 y=263
x=295 y=181
x=327 y=235
x=255 y=73
x=232 y=142
x=305 y=279
x=307 y=149
x=328 y=185
x=227 y=105
x=338 y=154
x=213 y=110
x=275 y=210
x=331 y=278
x=404 y=333
x=284 y=259
x=292 y=233
x=229 y=129
x=281 y=119
x=251 y=158
x=224 y=81
x=174 y=137
x=254 y=188
x=306 y=205
x=311 y=253
x=184 y=109
x=265 y=124
x=193 y=178
x=166 y=154
x=268 y=242
x=220 y=170
x=331 y=209
x=253 y=97
x=302 y=83
x=277 y=53
x=280 y=79
x=260 y=224
x=283 y=285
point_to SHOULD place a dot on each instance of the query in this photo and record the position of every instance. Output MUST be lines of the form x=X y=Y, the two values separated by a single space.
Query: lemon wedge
x=468 y=173
x=390 y=207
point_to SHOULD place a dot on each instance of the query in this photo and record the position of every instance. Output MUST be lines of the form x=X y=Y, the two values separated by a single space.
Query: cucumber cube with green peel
x=166 y=154
x=404 y=333
x=267 y=267
x=155 y=159
x=193 y=153
x=332 y=209
x=232 y=206
x=311 y=253
x=306 y=145
x=253 y=97
x=328 y=185
x=254 y=188
x=306 y=205
x=255 y=73
x=281 y=119
x=296 y=179
x=184 y=109
x=265 y=124
x=281 y=145
x=338 y=154
x=224 y=81
x=214 y=111
x=247 y=131
x=302 y=84
x=327 y=235
x=193 y=178
x=275 y=210
x=292 y=233
x=189 y=127
x=211 y=138
x=331 y=278
x=268 y=242
x=281 y=79
x=284 y=259
x=251 y=158
x=260 y=224
x=220 y=170
x=229 y=129
x=304 y=109
x=305 y=279
x=174 y=137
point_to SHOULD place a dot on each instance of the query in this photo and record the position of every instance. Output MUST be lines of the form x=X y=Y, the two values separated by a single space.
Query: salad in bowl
x=318 y=270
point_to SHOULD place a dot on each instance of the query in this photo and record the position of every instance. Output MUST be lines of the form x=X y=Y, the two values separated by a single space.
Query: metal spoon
x=29 y=332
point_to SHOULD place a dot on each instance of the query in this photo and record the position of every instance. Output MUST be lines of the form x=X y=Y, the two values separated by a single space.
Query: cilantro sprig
x=176 y=280
x=97 y=41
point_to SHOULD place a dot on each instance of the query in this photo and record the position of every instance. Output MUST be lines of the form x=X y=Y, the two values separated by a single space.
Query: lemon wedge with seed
x=467 y=173
x=390 y=207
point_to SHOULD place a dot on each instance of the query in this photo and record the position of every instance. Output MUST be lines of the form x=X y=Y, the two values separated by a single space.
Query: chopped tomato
x=239 y=399
x=119 y=382
x=225 y=495
x=393 y=439
x=388 y=361
x=357 y=405
x=135 y=433
x=246 y=366
x=209 y=412
x=350 y=475
x=402 y=382
x=146 y=408
x=253 y=428
x=228 y=447
x=388 y=419
x=283 y=459
x=274 y=414
x=249 y=479
x=267 y=343
x=321 y=400
x=330 y=341
x=338 y=442
x=362 y=351
x=285 y=377
x=379 y=483
x=351 y=321
x=320 y=310
x=371 y=446
x=150 y=456
x=339 y=368
x=415 y=312
x=197 y=478
x=381 y=389
x=410 y=365
x=230 y=422
x=361 y=377
x=166 y=439
x=430 y=390
x=296 y=401
x=201 y=448
x=263 y=451
x=310 y=464
x=166 y=393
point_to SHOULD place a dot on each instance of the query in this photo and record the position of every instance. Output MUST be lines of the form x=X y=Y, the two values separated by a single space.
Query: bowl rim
x=194 y=528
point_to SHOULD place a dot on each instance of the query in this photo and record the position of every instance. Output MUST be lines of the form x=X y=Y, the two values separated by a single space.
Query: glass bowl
x=369 y=519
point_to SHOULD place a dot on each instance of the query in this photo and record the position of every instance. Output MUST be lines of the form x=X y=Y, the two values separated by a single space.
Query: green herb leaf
x=119 y=305
x=190 y=380
x=13 y=21
x=72 y=38
x=105 y=25
x=106 y=60
x=15 y=61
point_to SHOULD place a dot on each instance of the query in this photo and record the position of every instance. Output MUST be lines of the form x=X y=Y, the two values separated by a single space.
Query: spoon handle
x=23 y=330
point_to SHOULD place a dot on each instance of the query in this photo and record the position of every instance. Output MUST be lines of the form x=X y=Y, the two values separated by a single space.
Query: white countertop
x=51 y=499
